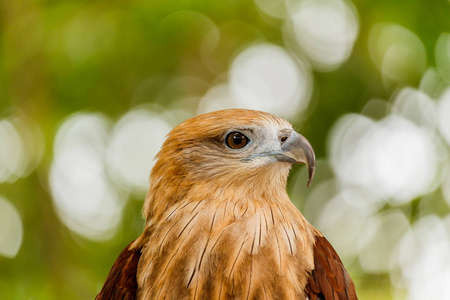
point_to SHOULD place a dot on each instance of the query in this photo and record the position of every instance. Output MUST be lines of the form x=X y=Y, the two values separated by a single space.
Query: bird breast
x=227 y=250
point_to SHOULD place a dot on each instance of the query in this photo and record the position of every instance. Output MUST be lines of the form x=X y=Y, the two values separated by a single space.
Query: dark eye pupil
x=237 y=138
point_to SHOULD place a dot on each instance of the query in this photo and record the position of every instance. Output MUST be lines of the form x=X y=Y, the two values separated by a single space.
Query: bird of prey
x=219 y=222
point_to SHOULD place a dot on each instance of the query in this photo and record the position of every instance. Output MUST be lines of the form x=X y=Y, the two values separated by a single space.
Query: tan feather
x=219 y=228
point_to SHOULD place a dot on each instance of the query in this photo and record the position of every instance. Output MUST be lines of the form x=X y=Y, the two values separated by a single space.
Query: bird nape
x=219 y=222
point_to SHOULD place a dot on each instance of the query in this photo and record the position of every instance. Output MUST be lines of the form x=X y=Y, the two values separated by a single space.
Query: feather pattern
x=221 y=226
x=232 y=256
x=329 y=279
x=121 y=281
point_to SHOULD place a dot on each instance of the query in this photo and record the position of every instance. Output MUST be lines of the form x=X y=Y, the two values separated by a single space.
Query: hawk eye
x=236 y=140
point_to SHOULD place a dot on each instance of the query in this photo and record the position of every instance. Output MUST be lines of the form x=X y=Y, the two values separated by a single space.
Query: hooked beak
x=297 y=149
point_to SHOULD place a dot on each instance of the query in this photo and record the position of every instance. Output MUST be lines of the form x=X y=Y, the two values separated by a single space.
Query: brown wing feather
x=329 y=279
x=121 y=281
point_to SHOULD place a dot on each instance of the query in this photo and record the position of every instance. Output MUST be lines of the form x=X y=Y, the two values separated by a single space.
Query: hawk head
x=235 y=148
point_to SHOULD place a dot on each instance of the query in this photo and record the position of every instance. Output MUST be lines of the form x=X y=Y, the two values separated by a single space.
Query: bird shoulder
x=329 y=279
x=121 y=281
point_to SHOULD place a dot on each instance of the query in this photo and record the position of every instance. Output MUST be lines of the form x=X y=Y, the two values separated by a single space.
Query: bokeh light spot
x=325 y=30
x=85 y=199
x=444 y=115
x=11 y=229
x=217 y=98
x=21 y=148
x=432 y=83
x=393 y=158
x=393 y=48
x=442 y=53
x=415 y=106
x=135 y=140
x=344 y=139
x=423 y=257
x=11 y=151
x=446 y=185
x=273 y=8
x=264 y=77
x=381 y=235
x=343 y=221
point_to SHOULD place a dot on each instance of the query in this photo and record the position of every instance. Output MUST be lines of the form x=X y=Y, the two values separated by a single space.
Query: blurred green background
x=90 y=88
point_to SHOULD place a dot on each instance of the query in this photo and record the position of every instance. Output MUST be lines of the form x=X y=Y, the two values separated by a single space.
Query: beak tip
x=311 y=175
x=298 y=150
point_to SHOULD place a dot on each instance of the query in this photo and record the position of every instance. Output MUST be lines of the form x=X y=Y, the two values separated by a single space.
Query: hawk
x=219 y=222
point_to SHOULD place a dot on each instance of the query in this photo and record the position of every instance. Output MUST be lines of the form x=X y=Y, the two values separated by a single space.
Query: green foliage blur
x=62 y=57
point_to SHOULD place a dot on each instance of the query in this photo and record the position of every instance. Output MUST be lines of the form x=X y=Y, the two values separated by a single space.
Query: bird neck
x=205 y=232
x=167 y=190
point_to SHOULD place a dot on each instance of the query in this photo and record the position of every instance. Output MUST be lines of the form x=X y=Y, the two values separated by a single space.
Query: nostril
x=284 y=134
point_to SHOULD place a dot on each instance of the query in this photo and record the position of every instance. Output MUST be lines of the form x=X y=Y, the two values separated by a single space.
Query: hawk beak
x=297 y=149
